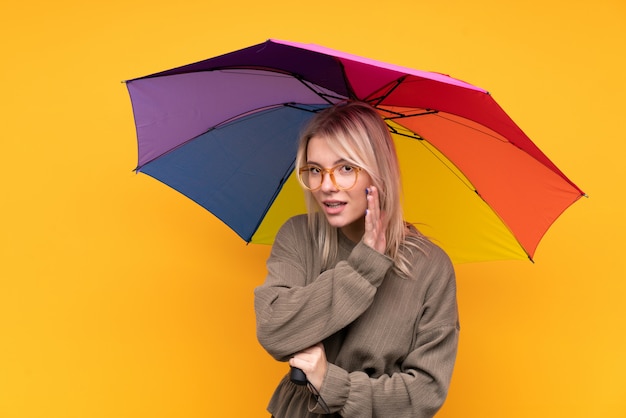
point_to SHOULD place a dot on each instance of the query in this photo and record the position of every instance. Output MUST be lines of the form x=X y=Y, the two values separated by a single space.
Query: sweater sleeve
x=420 y=387
x=294 y=314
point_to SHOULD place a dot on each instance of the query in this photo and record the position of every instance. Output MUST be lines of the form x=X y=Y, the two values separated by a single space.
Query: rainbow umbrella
x=224 y=131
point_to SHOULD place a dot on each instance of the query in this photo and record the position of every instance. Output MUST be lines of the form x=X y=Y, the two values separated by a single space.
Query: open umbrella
x=224 y=131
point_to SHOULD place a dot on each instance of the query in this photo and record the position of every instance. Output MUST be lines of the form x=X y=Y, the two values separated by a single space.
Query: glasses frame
x=330 y=171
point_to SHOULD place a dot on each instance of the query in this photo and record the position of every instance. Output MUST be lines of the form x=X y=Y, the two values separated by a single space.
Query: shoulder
x=294 y=226
x=293 y=233
x=427 y=258
x=293 y=247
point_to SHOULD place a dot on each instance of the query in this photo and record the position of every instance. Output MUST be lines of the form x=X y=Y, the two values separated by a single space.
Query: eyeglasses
x=343 y=176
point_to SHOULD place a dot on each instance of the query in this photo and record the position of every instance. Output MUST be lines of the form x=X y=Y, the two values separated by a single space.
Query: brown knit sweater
x=390 y=342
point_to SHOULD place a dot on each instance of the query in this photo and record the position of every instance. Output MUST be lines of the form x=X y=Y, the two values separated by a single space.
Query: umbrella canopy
x=224 y=131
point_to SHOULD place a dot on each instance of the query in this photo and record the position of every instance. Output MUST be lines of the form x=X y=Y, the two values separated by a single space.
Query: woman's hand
x=374 y=235
x=313 y=363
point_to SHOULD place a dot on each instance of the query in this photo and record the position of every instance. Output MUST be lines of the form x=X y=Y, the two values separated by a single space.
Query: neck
x=354 y=232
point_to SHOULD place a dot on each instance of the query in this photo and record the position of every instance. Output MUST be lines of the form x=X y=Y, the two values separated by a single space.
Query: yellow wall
x=119 y=298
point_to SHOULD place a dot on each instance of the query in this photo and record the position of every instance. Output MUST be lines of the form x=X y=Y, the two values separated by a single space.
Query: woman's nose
x=328 y=185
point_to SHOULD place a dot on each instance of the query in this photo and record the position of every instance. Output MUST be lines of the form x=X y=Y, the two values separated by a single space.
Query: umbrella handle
x=298 y=377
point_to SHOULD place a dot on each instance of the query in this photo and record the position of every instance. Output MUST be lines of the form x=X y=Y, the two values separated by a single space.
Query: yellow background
x=121 y=298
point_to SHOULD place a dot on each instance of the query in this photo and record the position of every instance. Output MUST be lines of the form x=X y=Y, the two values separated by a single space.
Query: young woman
x=355 y=297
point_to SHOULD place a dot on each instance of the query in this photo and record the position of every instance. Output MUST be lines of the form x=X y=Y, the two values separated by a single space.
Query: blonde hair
x=358 y=133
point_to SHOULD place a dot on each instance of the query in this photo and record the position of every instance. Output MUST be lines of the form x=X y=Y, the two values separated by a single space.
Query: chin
x=342 y=221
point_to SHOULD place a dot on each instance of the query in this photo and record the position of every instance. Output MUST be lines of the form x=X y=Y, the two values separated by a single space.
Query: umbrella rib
x=463 y=180
x=308 y=84
x=423 y=141
x=413 y=135
x=232 y=119
x=323 y=96
x=476 y=129
x=281 y=184
x=390 y=87
x=243 y=114
x=402 y=115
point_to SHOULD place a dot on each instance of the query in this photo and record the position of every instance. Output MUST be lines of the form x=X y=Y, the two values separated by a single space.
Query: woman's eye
x=346 y=169
x=314 y=170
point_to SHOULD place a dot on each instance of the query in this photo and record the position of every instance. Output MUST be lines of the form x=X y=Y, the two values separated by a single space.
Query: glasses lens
x=307 y=175
x=345 y=176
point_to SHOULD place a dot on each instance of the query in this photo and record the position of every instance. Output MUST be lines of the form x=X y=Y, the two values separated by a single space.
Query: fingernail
x=367 y=191
x=366 y=212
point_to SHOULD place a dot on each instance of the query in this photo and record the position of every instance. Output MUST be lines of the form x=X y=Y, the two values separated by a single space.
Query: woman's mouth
x=334 y=207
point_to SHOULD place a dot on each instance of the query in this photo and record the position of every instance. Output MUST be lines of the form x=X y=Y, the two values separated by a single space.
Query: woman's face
x=344 y=209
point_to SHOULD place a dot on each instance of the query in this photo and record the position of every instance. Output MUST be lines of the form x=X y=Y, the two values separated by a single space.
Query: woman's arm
x=420 y=386
x=419 y=390
x=292 y=314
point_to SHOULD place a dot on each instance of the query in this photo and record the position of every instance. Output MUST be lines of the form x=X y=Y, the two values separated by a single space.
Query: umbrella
x=224 y=131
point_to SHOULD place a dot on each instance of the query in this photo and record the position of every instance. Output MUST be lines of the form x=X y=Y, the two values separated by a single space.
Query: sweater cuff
x=334 y=391
x=369 y=263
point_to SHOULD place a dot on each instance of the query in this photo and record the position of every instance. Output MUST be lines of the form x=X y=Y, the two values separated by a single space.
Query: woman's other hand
x=374 y=235
x=313 y=363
